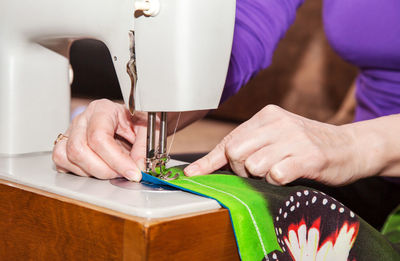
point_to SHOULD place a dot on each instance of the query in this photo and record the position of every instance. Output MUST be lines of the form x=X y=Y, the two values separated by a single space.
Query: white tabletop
x=37 y=171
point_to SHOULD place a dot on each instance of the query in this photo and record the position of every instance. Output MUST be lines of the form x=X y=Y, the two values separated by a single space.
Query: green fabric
x=291 y=222
x=254 y=228
x=391 y=229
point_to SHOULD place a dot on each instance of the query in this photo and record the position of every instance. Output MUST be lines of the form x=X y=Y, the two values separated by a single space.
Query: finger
x=61 y=161
x=125 y=125
x=259 y=163
x=214 y=160
x=100 y=136
x=239 y=168
x=125 y=145
x=287 y=170
x=218 y=156
x=79 y=153
x=138 y=152
x=243 y=145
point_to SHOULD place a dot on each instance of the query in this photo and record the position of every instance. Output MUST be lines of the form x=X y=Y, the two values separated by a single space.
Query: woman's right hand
x=105 y=141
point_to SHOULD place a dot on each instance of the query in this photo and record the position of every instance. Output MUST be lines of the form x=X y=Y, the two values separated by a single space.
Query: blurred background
x=306 y=77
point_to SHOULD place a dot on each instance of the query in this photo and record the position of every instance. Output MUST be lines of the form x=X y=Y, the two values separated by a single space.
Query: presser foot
x=165 y=174
x=169 y=175
x=151 y=164
x=157 y=167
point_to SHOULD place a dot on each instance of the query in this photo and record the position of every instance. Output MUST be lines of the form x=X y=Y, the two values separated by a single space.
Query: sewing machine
x=177 y=53
x=168 y=55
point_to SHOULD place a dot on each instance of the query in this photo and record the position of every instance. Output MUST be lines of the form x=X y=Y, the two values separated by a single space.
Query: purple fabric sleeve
x=259 y=26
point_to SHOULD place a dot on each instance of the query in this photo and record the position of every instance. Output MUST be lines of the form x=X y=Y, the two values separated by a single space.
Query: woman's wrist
x=376 y=146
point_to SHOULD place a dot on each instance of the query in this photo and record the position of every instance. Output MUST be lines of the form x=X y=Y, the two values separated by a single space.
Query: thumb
x=214 y=160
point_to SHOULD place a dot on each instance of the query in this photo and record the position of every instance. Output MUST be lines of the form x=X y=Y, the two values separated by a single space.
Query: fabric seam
x=247 y=207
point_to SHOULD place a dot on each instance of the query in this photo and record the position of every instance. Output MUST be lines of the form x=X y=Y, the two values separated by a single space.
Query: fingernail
x=133 y=175
x=276 y=177
x=269 y=179
x=60 y=170
x=192 y=170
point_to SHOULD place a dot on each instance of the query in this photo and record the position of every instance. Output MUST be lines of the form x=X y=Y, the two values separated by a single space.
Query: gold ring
x=60 y=137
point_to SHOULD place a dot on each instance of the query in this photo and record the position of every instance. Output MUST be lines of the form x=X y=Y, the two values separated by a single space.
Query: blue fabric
x=151 y=179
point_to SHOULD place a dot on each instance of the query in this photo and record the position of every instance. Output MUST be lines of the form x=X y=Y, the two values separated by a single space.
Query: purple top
x=366 y=33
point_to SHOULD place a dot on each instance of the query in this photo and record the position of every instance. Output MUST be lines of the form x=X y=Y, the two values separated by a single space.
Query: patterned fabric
x=286 y=223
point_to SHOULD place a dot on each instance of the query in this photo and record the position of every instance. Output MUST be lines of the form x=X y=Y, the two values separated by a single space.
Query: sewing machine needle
x=150 y=147
x=163 y=135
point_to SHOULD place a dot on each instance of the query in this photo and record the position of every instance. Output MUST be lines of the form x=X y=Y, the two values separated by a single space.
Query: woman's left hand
x=283 y=147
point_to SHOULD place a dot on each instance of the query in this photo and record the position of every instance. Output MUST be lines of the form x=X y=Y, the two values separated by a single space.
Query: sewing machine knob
x=148 y=7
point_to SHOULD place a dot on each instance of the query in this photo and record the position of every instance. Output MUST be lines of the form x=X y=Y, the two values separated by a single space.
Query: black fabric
x=373 y=199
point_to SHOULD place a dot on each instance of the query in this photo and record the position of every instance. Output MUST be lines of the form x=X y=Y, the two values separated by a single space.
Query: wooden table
x=38 y=225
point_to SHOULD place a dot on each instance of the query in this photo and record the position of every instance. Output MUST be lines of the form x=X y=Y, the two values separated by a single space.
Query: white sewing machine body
x=182 y=57
x=136 y=199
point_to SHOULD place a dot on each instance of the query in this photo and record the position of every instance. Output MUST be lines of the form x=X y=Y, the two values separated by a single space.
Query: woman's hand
x=283 y=147
x=100 y=142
